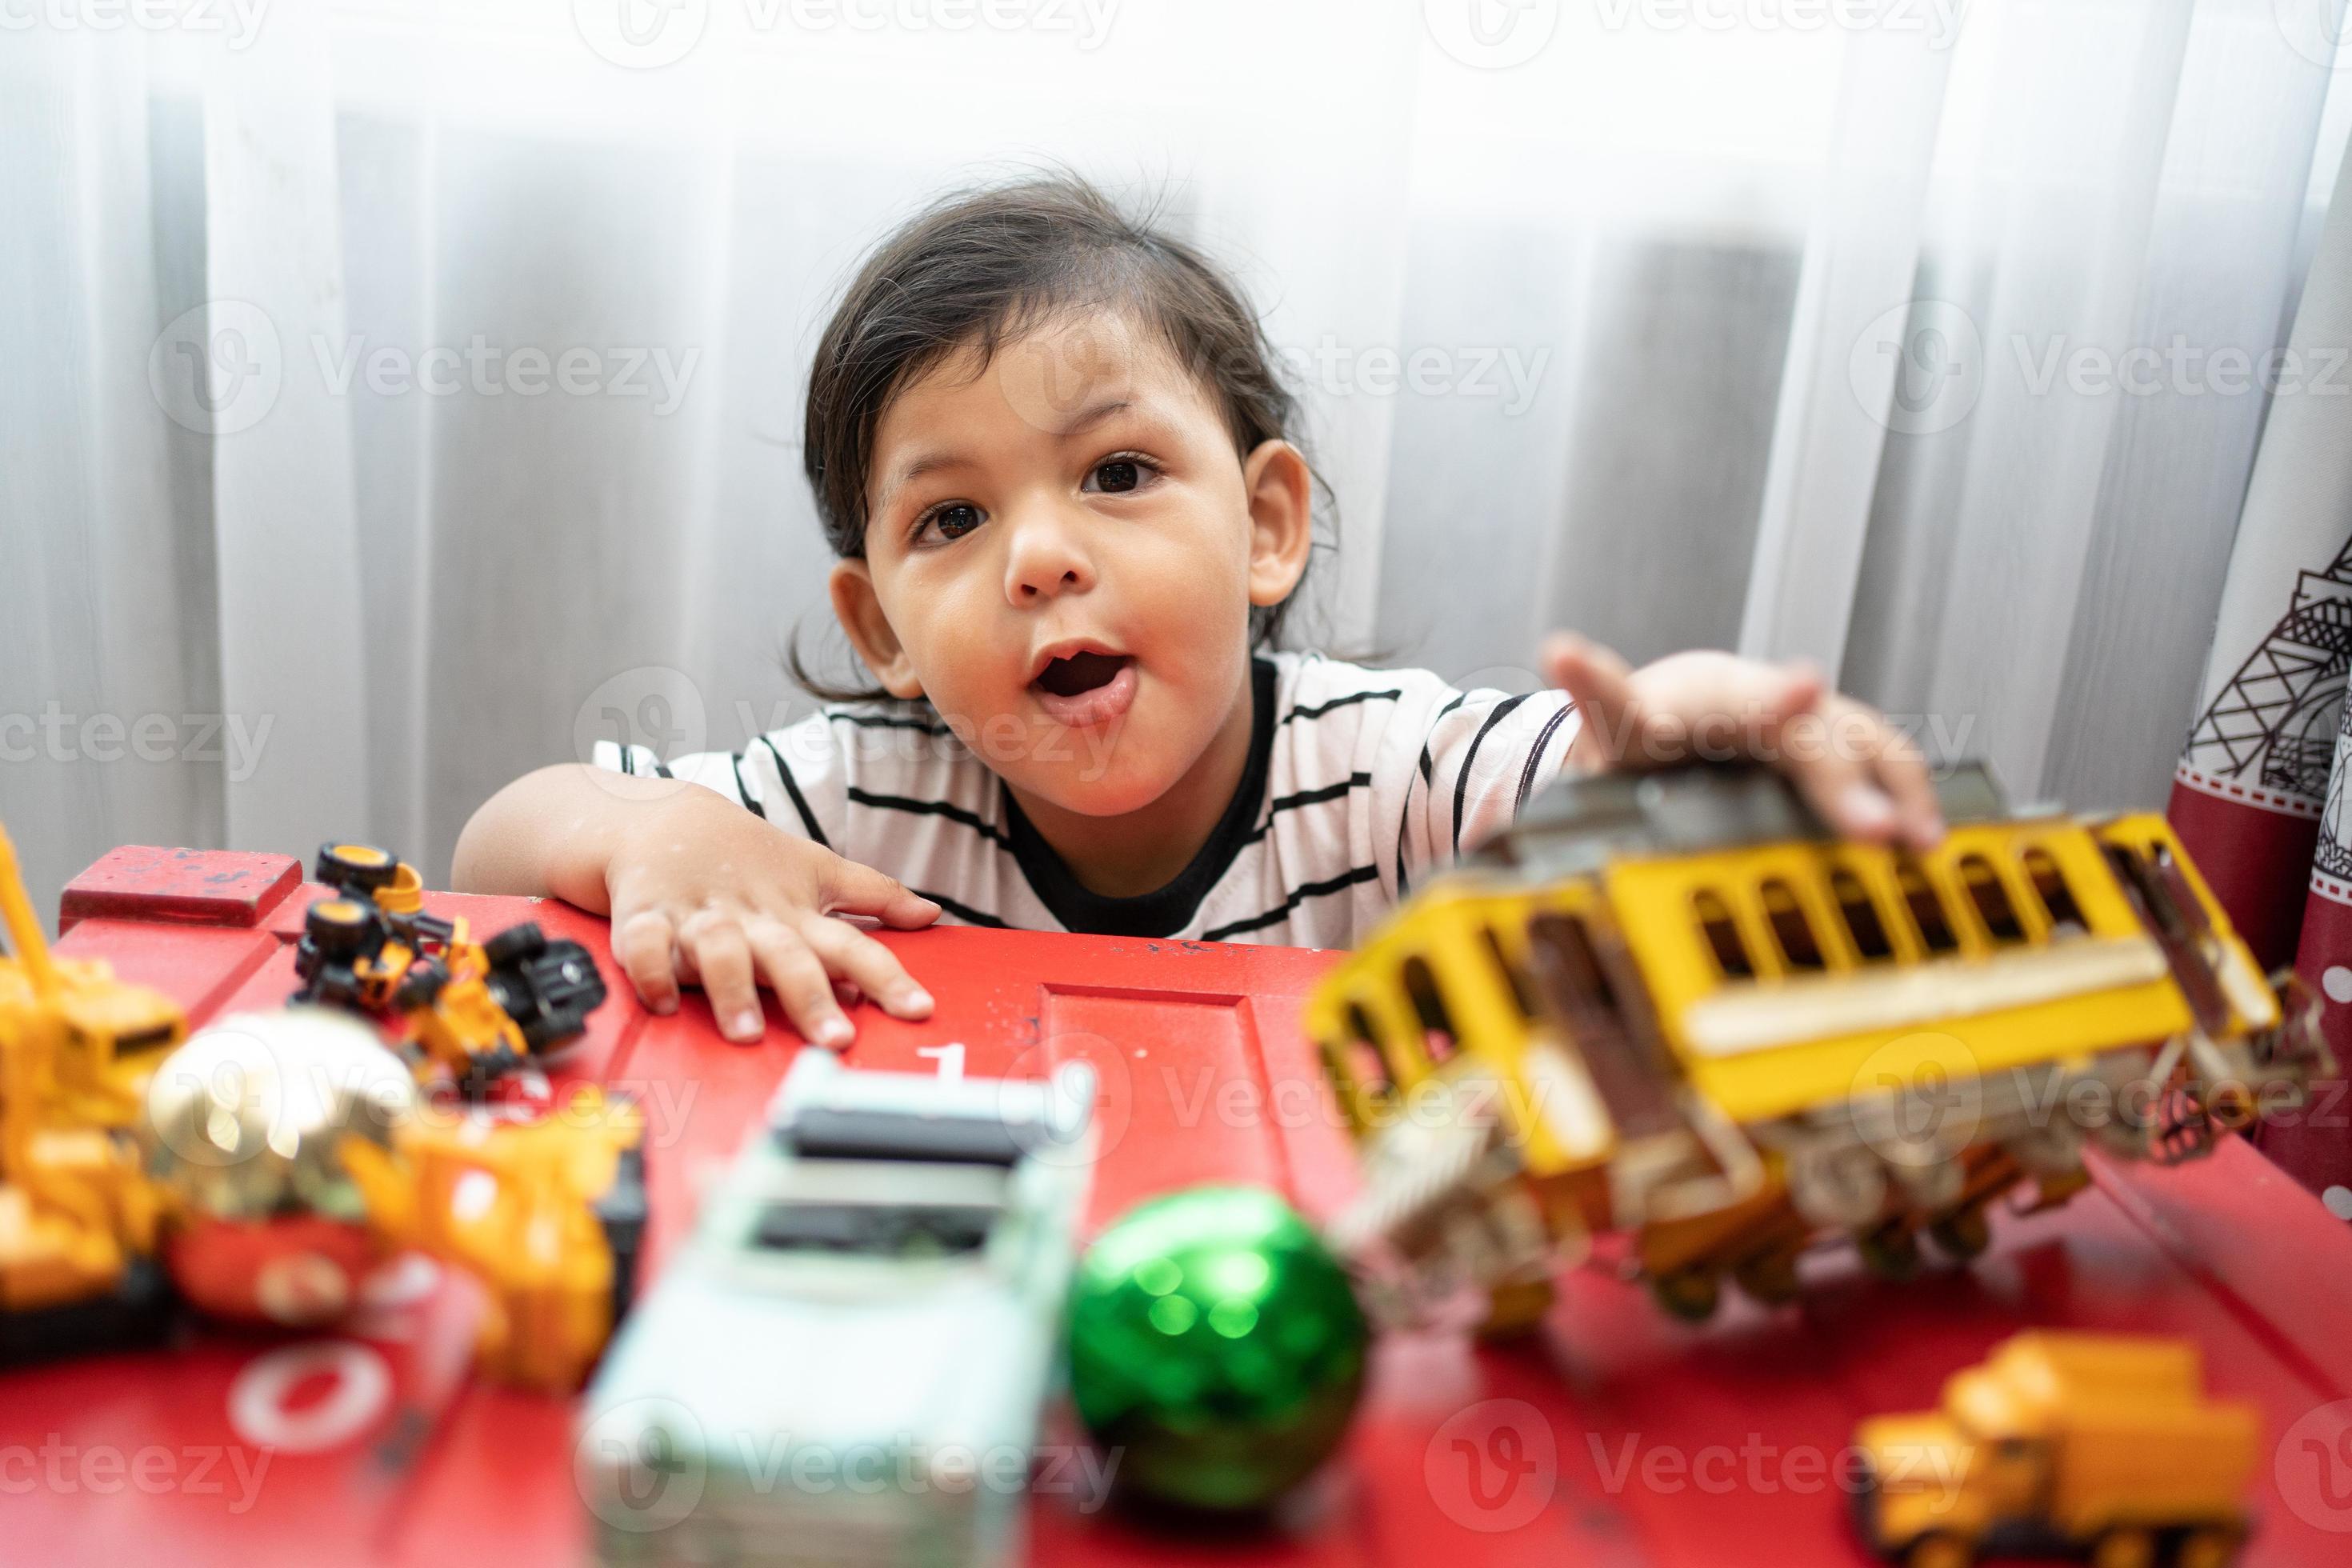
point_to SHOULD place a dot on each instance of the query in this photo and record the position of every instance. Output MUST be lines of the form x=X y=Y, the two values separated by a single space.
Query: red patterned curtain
x=2262 y=795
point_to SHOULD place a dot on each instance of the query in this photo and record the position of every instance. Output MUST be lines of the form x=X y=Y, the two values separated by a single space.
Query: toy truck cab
x=850 y=1353
x=2066 y=1443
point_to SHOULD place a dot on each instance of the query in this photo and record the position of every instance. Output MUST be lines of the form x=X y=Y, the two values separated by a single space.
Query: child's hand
x=702 y=888
x=1865 y=776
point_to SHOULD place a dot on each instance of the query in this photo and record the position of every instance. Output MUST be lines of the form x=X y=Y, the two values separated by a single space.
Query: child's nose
x=1047 y=560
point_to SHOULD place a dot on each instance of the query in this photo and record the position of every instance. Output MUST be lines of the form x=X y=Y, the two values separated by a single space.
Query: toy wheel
x=362 y=867
x=1769 y=1278
x=553 y=1029
x=1963 y=1233
x=337 y=927
x=524 y=940
x=1892 y=1253
x=1690 y=1294
x=2125 y=1548
x=1939 y=1550
x=2214 y=1546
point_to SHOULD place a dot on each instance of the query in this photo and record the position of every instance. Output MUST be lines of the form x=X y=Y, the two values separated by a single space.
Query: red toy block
x=203 y=887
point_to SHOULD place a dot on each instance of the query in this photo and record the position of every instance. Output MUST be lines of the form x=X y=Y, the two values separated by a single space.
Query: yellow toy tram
x=1675 y=1008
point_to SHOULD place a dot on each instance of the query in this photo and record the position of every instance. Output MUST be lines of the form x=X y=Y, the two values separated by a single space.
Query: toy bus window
x=1862 y=922
x=1991 y=899
x=1791 y=929
x=1722 y=935
x=1581 y=963
x=1367 y=1064
x=1438 y=1039
x=1926 y=909
x=2050 y=885
x=1522 y=984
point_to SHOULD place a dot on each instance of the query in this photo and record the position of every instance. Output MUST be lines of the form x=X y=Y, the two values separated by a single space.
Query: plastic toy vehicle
x=2092 y=1445
x=549 y=1214
x=475 y=1011
x=898 y=1247
x=77 y=1218
x=1673 y=1008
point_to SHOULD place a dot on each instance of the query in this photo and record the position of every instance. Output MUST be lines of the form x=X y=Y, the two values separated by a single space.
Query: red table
x=1613 y=1438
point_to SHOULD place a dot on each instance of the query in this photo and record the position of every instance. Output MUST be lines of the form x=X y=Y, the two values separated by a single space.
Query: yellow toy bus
x=1672 y=1007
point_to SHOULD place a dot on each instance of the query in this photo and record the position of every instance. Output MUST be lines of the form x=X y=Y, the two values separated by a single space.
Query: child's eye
x=950 y=520
x=1119 y=475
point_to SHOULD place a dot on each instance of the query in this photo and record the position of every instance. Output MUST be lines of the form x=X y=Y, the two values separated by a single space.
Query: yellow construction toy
x=77 y=1221
x=2097 y=1446
x=1673 y=1008
x=548 y=1215
x=473 y=1011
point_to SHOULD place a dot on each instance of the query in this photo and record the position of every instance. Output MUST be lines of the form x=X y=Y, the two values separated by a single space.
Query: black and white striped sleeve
x=1458 y=766
x=792 y=777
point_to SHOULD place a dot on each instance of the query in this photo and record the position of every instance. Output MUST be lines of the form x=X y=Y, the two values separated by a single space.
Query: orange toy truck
x=2078 y=1445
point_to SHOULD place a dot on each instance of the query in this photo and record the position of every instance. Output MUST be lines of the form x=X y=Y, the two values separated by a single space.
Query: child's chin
x=1099 y=787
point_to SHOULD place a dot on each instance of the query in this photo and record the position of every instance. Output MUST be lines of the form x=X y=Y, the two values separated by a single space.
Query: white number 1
x=951 y=1059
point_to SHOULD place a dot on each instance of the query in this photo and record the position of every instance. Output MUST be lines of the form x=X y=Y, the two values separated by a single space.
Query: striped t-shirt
x=1360 y=784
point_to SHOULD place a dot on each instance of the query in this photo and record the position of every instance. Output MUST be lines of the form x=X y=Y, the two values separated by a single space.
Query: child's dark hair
x=981 y=267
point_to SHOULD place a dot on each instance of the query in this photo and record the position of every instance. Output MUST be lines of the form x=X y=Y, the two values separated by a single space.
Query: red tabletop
x=1612 y=1438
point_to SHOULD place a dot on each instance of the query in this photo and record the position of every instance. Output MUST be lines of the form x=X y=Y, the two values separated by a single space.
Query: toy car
x=847 y=1362
x=2090 y=1446
x=1673 y=1008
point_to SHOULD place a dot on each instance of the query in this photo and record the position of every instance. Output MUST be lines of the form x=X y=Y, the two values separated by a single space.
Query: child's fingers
x=801 y=985
x=1845 y=791
x=722 y=957
x=851 y=888
x=640 y=946
x=872 y=967
x=1903 y=772
x=1602 y=684
x=1865 y=776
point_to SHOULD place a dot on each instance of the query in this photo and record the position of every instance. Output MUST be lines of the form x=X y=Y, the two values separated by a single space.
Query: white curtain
x=399 y=395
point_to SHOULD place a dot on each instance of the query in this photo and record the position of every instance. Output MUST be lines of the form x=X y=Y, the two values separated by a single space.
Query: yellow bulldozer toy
x=78 y=1219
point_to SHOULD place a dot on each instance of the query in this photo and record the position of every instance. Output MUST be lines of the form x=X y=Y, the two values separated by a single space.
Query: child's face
x=1062 y=550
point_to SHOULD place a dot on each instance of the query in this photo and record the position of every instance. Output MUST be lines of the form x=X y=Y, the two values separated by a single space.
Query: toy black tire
x=363 y=868
x=552 y=1029
x=340 y=928
x=517 y=941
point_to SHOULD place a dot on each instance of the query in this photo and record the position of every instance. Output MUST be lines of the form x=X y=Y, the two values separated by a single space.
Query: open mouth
x=1087 y=687
x=1081 y=673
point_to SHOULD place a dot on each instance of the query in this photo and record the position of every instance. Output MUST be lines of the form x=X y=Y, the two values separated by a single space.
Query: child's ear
x=1281 y=490
x=870 y=633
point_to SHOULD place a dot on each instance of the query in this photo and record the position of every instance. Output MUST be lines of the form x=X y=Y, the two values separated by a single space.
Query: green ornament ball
x=1216 y=1346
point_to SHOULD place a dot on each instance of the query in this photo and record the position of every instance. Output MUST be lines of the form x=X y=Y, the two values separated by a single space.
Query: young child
x=1051 y=449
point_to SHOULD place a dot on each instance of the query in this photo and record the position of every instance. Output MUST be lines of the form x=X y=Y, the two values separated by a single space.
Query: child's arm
x=1867 y=778
x=698 y=887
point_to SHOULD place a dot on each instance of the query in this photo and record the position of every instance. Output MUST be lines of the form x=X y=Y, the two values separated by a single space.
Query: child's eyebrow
x=1092 y=415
